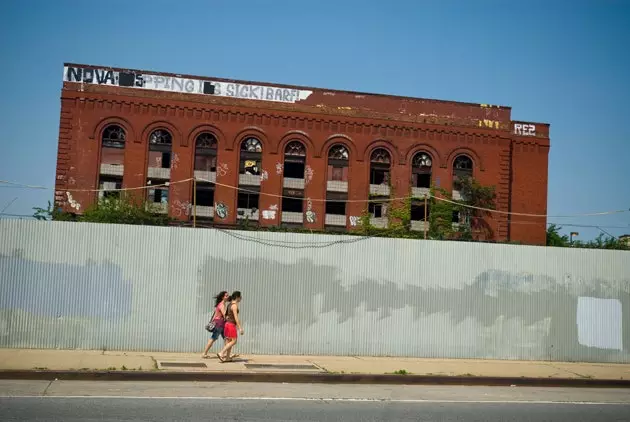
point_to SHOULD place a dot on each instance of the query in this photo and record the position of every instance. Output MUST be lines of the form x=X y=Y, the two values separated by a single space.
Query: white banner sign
x=137 y=79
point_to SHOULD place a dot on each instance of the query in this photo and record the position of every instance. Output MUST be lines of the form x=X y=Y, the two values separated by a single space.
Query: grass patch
x=401 y=372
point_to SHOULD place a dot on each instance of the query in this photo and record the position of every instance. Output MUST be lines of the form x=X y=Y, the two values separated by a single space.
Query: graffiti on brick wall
x=308 y=174
x=181 y=208
x=279 y=168
x=270 y=214
x=310 y=214
x=74 y=204
x=175 y=161
x=524 y=129
x=142 y=80
x=222 y=169
x=264 y=175
x=354 y=220
x=221 y=210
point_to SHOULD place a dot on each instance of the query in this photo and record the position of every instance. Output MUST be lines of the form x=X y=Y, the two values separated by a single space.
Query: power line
x=489 y=210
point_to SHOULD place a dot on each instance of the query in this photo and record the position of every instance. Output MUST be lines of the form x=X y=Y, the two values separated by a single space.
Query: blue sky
x=562 y=62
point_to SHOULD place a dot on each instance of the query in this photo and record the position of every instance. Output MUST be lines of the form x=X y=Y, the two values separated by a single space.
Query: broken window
x=292 y=204
x=251 y=157
x=112 y=154
x=338 y=163
x=113 y=137
x=377 y=209
x=206 y=152
x=109 y=187
x=158 y=194
x=380 y=162
x=160 y=145
x=417 y=211
x=462 y=167
x=335 y=207
x=421 y=166
x=113 y=145
x=204 y=195
x=247 y=200
x=294 y=160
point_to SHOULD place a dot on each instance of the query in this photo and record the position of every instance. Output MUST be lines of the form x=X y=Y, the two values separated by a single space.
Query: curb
x=316 y=378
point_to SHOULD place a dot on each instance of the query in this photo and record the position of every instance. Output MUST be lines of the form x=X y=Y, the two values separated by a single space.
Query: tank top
x=229 y=315
x=218 y=316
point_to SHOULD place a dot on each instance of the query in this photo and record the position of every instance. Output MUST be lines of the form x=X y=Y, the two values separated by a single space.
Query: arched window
x=338 y=156
x=294 y=180
x=380 y=163
x=206 y=152
x=160 y=145
x=462 y=167
x=159 y=167
x=205 y=170
x=294 y=160
x=421 y=166
x=251 y=157
x=337 y=185
x=250 y=164
x=112 y=160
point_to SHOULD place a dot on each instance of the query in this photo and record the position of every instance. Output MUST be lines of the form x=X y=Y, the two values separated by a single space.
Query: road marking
x=331 y=399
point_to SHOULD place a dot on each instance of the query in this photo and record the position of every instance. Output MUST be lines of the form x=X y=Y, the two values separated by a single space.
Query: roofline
x=528 y=121
x=280 y=85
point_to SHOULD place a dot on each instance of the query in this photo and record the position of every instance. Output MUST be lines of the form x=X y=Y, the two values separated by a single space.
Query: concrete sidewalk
x=79 y=364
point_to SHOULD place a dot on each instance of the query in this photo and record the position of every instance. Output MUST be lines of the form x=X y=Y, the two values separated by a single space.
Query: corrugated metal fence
x=115 y=287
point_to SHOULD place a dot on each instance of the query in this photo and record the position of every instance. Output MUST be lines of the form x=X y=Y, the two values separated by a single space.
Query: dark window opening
x=421 y=170
x=417 y=212
x=379 y=176
x=377 y=210
x=158 y=196
x=159 y=159
x=461 y=217
x=422 y=180
x=205 y=196
x=166 y=160
x=294 y=169
x=247 y=200
x=336 y=208
x=293 y=204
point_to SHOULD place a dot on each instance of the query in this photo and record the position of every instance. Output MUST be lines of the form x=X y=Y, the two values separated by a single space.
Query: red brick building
x=287 y=155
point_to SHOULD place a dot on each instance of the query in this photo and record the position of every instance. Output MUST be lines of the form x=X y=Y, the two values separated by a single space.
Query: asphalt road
x=207 y=401
x=57 y=409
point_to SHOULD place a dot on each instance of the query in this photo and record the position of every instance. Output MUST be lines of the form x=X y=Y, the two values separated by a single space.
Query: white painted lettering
x=134 y=79
x=524 y=129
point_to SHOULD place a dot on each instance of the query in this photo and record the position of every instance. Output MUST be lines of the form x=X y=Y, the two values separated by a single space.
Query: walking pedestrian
x=218 y=320
x=232 y=326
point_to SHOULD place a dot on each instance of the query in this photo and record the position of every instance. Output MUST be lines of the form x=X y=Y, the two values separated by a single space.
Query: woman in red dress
x=232 y=326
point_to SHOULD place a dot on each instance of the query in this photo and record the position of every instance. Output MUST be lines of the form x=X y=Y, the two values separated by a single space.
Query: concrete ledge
x=305 y=378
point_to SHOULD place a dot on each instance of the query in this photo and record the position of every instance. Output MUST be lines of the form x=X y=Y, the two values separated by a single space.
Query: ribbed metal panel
x=96 y=286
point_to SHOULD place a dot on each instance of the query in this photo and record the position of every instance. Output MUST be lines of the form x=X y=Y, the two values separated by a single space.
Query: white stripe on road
x=331 y=399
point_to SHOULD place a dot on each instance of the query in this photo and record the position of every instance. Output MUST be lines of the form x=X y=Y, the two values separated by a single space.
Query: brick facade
x=503 y=154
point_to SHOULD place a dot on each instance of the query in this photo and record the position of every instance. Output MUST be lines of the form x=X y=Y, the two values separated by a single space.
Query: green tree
x=52 y=213
x=476 y=201
x=554 y=238
x=124 y=210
